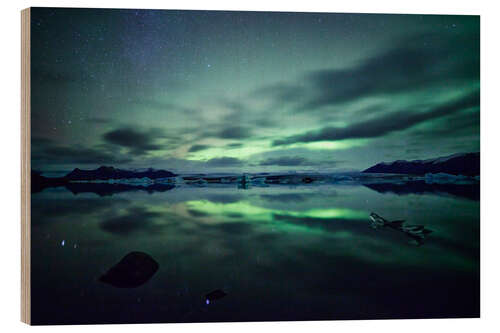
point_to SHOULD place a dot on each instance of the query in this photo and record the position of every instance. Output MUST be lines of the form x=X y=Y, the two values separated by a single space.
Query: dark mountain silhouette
x=109 y=172
x=71 y=181
x=459 y=164
x=39 y=182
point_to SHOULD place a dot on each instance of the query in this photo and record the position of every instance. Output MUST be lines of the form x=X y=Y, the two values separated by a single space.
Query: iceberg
x=442 y=178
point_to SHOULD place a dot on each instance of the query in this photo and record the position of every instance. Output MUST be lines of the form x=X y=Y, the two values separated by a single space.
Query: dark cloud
x=405 y=68
x=195 y=148
x=138 y=142
x=284 y=161
x=265 y=122
x=415 y=63
x=281 y=92
x=458 y=133
x=234 y=132
x=234 y=145
x=47 y=151
x=197 y=213
x=224 y=162
x=385 y=124
x=461 y=124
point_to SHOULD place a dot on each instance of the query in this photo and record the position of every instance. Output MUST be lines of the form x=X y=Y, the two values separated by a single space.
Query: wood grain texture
x=25 y=167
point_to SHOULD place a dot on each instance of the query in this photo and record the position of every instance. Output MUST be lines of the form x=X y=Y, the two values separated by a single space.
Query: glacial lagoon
x=275 y=252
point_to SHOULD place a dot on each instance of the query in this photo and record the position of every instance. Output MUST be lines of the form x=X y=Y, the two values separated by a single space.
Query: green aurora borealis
x=247 y=91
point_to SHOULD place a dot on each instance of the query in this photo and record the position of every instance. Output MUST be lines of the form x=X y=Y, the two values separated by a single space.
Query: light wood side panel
x=25 y=166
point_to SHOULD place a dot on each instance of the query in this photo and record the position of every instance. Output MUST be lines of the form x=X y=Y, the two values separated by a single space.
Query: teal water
x=278 y=252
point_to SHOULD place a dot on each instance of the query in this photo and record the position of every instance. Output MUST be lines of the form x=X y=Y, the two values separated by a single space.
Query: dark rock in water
x=214 y=295
x=135 y=269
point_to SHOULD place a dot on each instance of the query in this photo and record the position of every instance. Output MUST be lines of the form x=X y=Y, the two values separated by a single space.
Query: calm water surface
x=279 y=252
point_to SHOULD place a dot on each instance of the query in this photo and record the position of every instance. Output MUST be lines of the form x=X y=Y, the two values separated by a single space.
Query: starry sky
x=213 y=91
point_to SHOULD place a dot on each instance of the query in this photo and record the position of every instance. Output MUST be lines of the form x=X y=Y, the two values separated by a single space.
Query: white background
x=490 y=140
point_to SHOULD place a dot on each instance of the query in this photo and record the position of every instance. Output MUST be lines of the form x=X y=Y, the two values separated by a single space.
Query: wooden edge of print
x=25 y=168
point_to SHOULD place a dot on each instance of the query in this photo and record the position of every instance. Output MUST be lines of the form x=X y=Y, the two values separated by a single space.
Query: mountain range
x=109 y=172
x=467 y=164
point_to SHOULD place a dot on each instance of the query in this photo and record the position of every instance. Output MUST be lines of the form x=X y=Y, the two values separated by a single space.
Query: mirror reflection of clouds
x=315 y=214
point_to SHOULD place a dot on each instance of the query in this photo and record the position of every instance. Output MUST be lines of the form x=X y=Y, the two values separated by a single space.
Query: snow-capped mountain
x=457 y=164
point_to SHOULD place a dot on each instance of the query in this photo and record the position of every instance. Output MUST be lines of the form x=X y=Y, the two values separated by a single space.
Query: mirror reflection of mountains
x=104 y=189
x=40 y=183
x=467 y=191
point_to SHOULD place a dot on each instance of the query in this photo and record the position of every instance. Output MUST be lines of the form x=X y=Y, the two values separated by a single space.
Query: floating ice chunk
x=442 y=177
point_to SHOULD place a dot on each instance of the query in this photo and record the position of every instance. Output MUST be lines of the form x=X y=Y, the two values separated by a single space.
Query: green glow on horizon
x=254 y=148
x=244 y=152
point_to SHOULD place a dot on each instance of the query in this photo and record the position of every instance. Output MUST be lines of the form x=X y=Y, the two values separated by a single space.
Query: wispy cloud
x=384 y=124
x=137 y=141
x=284 y=161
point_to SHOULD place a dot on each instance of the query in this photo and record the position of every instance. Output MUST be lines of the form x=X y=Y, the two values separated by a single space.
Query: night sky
x=208 y=91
